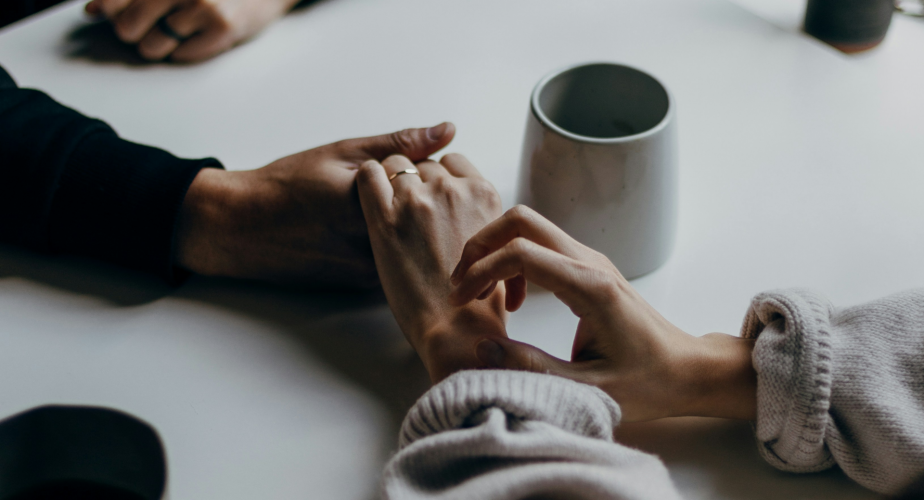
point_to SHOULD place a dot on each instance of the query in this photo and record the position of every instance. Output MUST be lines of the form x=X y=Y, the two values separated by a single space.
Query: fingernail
x=490 y=353
x=437 y=132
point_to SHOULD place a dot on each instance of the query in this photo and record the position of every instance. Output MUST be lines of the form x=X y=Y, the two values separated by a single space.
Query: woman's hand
x=418 y=225
x=296 y=220
x=187 y=30
x=622 y=345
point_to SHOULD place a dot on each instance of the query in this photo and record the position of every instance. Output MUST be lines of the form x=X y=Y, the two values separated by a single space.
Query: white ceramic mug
x=600 y=161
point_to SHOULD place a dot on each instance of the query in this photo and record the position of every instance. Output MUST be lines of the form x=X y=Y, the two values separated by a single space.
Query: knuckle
x=444 y=184
x=367 y=172
x=519 y=246
x=520 y=213
x=221 y=24
x=403 y=140
x=517 y=211
x=494 y=202
x=602 y=283
x=453 y=158
x=395 y=160
x=420 y=204
x=485 y=190
x=125 y=30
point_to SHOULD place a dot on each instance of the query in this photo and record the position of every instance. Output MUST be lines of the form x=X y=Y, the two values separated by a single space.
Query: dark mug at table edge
x=850 y=26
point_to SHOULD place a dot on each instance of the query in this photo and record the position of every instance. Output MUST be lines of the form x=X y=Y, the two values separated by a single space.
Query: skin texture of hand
x=297 y=220
x=417 y=227
x=622 y=345
x=206 y=27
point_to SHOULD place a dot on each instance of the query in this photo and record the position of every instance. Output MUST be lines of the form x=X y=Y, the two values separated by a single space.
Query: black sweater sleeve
x=69 y=184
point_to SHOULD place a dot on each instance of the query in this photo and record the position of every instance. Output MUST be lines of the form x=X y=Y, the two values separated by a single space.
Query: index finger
x=375 y=192
x=518 y=222
x=574 y=282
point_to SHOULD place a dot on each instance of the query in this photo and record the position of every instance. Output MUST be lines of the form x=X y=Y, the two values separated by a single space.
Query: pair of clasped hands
x=452 y=265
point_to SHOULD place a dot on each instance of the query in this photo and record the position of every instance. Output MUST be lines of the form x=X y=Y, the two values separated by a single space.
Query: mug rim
x=537 y=110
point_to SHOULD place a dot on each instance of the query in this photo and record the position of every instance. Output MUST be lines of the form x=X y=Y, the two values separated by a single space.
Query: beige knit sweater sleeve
x=841 y=386
x=493 y=435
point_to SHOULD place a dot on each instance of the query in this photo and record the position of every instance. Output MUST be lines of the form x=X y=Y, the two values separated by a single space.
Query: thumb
x=415 y=143
x=509 y=354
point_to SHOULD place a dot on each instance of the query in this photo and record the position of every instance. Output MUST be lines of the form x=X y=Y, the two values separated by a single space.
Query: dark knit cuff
x=793 y=361
x=574 y=407
x=120 y=202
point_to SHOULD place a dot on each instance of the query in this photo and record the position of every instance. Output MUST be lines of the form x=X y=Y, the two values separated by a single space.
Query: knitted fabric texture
x=842 y=386
x=491 y=434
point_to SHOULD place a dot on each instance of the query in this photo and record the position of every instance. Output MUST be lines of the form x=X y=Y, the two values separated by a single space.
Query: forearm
x=78 y=188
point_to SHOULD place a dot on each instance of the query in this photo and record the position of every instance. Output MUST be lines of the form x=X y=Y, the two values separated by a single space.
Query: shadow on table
x=356 y=336
x=97 y=42
x=353 y=333
x=114 y=285
x=717 y=458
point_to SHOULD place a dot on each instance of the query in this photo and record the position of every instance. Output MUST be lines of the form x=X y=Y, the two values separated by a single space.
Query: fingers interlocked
x=523 y=246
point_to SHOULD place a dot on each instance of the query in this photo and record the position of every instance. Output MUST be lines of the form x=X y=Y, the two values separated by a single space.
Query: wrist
x=718 y=379
x=204 y=228
x=448 y=344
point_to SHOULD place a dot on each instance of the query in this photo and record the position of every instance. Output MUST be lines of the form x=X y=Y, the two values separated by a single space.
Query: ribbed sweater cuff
x=531 y=396
x=119 y=201
x=793 y=360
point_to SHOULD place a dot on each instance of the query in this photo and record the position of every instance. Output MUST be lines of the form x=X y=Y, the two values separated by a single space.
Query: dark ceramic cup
x=80 y=453
x=849 y=25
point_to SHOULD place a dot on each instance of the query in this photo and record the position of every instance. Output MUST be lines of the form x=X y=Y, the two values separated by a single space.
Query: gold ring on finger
x=402 y=172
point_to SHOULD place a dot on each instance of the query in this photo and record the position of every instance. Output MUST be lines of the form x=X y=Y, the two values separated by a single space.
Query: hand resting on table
x=187 y=30
x=297 y=220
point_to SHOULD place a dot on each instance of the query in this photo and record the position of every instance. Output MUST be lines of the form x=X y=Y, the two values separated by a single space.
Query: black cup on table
x=80 y=453
x=849 y=25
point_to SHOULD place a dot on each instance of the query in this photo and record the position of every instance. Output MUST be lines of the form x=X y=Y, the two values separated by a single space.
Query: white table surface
x=799 y=167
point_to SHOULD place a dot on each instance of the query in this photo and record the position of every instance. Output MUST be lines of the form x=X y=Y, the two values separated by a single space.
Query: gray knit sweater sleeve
x=509 y=435
x=841 y=386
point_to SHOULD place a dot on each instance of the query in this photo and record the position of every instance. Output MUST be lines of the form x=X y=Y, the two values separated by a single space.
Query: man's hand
x=417 y=227
x=622 y=344
x=297 y=220
x=191 y=30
